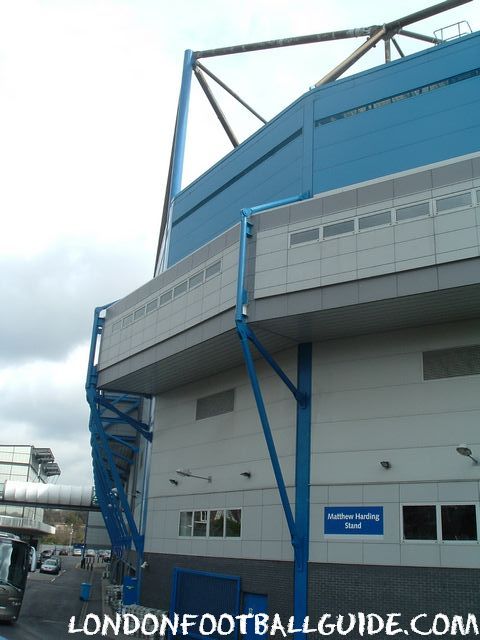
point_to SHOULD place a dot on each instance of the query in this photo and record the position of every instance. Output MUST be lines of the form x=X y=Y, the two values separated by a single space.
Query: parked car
x=63 y=552
x=51 y=565
x=107 y=556
x=77 y=552
x=90 y=553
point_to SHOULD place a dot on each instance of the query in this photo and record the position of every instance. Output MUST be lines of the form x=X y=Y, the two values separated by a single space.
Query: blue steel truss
x=113 y=454
x=298 y=525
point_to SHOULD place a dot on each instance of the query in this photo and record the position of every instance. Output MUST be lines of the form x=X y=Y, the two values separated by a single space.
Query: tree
x=70 y=526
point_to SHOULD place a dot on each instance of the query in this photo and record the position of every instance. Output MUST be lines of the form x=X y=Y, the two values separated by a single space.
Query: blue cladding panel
x=278 y=176
x=414 y=132
x=276 y=162
x=257 y=147
x=414 y=71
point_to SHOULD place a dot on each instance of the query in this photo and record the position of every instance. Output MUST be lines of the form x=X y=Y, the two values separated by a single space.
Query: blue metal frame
x=299 y=525
x=109 y=483
x=181 y=124
x=178 y=150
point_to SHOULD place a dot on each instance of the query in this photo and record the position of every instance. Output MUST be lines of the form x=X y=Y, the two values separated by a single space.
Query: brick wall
x=274 y=578
x=333 y=588
x=342 y=588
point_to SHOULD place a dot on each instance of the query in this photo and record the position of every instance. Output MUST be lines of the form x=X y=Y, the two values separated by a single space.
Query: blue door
x=129 y=590
x=254 y=603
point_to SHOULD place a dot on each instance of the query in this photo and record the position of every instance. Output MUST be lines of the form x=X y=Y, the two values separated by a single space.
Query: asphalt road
x=50 y=601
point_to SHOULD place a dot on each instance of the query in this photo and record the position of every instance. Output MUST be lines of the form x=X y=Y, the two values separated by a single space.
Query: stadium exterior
x=355 y=277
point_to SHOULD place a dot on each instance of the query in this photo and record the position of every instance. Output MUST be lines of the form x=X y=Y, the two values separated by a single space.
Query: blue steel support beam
x=126 y=441
x=121 y=457
x=126 y=399
x=113 y=488
x=117 y=536
x=246 y=233
x=141 y=427
x=112 y=419
x=100 y=434
x=302 y=482
x=178 y=151
x=113 y=501
x=174 y=184
x=103 y=506
x=103 y=485
x=298 y=526
x=276 y=367
x=262 y=412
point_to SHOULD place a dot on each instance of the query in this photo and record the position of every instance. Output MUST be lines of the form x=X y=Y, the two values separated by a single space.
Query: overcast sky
x=88 y=93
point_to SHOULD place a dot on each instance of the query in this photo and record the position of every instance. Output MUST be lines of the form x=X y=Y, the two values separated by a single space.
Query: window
x=117 y=326
x=165 y=297
x=200 y=521
x=300 y=237
x=339 y=228
x=128 y=320
x=213 y=523
x=454 y=202
x=440 y=523
x=152 y=306
x=375 y=220
x=180 y=289
x=217 y=523
x=195 y=280
x=233 y=523
x=213 y=270
x=419 y=522
x=413 y=211
x=185 y=526
x=139 y=313
x=459 y=522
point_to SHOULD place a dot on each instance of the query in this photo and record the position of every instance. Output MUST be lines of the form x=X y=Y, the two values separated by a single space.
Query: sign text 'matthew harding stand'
x=353 y=521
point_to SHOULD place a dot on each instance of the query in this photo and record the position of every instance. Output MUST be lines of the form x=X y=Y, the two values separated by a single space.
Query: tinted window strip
x=307 y=235
x=404 y=95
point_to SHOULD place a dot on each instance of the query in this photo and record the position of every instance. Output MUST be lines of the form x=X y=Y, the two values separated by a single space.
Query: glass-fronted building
x=25 y=463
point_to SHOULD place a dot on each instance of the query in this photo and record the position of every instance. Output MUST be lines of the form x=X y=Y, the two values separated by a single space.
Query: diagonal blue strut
x=299 y=525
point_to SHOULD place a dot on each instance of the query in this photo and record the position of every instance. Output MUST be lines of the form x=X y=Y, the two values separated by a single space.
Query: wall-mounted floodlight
x=173 y=481
x=463 y=450
x=186 y=473
x=246 y=474
x=385 y=464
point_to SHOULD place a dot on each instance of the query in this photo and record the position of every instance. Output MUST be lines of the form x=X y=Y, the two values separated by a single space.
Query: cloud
x=43 y=403
x=48 y=300
x=89 y=92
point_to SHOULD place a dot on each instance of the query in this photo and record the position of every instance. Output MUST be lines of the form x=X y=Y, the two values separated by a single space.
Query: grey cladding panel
x=215 y=404
x=451 y=173
x=450 y=363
